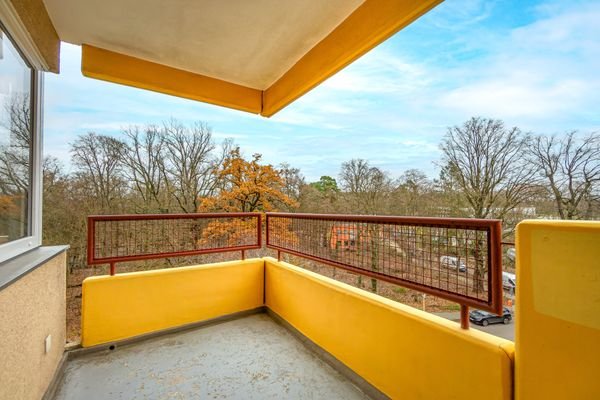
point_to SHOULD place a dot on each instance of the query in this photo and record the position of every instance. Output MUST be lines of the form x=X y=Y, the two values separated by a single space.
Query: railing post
x=259 y=230
x=112 y=268
x=464 y=316
x=243 y=254
x=278 y=255
x=91 y=225
x=496 y=266
x=266 y=230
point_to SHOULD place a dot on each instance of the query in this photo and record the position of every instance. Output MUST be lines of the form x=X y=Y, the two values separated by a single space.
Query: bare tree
x=367 y=186
x=449 y=202
x=570 y=169
x=100 y=158
x=487 y=162
x=293 y=181
x=369 y=189
x=145 y=160
x=189 y=166
x=412 y=192
x=15 y=156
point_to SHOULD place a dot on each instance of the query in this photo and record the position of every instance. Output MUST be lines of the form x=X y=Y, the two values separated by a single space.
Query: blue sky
x=533 y=64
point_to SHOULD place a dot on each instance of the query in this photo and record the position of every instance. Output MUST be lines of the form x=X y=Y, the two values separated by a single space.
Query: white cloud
x=514 y=98
x=380 y=72
x=540 y=74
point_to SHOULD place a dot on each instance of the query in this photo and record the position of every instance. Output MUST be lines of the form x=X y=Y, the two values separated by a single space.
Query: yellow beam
x=370 y=24
x=126 y=70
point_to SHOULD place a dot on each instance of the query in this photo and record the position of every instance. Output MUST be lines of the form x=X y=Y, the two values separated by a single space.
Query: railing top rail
x=472 y=223
x=139 y=217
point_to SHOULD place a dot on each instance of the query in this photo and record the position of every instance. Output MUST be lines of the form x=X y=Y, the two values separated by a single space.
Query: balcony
x=359 y=334
x=259 y=327
x=264 y=328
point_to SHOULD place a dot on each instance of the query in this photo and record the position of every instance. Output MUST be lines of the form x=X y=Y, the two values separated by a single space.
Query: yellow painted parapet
x=558 y=310
x=404 y=352
x=131 y=304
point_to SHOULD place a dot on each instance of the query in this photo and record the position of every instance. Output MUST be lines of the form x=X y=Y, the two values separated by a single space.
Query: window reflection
x=15 y=142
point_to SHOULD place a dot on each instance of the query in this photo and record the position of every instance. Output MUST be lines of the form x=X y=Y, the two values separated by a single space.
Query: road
x=501 y=330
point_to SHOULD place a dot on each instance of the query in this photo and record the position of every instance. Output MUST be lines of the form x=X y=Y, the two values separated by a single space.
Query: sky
x=533 y=64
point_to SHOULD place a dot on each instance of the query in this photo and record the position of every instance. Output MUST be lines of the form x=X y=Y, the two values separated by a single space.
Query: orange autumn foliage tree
x=8 y=206
x=246 y=186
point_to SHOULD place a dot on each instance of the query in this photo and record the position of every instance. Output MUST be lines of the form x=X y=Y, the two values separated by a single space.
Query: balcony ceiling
x=251 y=43
x=251 y=47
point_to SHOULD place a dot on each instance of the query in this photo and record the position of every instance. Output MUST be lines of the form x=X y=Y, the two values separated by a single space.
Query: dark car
x=485 y=318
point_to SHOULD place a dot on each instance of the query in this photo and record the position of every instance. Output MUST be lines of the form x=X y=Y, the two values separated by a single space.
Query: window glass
x=15 y=142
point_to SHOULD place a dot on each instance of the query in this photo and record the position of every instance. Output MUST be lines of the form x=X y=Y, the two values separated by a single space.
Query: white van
x=453 y=263
x=509 y=281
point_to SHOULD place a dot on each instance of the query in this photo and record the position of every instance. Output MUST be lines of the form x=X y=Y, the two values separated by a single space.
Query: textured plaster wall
x=30 y=309
x=35 y=19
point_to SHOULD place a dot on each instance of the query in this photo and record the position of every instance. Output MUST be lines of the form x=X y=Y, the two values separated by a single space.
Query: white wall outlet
x=48 y=343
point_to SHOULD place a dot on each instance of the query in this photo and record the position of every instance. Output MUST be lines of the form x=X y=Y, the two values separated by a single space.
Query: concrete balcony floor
x=253 y=357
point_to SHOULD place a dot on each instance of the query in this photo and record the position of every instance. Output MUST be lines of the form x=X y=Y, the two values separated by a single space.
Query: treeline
x=171 y=168
x=486 y=171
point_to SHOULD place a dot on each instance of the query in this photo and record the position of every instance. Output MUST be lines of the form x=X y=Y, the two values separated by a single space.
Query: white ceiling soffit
x=251 y=43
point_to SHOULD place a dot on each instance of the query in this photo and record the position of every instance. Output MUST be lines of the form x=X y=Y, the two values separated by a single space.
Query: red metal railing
x=456 y=259
x=120 y=238
x=453 y=258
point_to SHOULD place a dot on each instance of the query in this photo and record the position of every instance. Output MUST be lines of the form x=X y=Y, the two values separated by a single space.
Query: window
x=19 y=152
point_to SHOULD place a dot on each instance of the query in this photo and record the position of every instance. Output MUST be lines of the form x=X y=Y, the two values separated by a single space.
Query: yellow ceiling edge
x=126 y=70
x=369 y=25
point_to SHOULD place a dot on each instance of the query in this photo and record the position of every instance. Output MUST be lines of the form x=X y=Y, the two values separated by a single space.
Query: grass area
x=452 y=307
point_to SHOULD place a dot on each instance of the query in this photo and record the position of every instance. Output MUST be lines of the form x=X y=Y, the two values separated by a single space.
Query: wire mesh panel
x=116 y=238
x=456 y=259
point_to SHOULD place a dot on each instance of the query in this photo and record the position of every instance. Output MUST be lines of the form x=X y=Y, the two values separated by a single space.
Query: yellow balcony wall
x=131 y=304
x=402 y=351
x=558 y=310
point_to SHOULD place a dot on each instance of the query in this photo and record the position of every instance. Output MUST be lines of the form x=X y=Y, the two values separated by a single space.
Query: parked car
x=485 y=318
x=453 y=263
x=509 y=282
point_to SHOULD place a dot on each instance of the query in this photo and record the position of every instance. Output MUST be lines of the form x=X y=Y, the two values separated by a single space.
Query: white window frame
x=17 y=247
